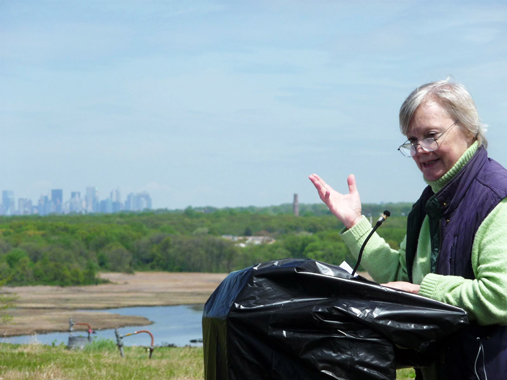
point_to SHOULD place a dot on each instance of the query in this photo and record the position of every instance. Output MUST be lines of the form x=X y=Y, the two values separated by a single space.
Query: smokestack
x=295 y=205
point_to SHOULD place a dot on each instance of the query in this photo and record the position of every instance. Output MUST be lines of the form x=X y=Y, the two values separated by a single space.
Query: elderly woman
x=455 y=250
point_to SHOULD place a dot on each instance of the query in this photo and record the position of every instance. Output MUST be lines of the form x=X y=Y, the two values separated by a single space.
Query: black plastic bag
x=303 y=319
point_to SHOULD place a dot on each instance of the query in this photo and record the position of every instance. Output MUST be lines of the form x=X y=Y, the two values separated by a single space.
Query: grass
x=405 y=374
x=102 y=360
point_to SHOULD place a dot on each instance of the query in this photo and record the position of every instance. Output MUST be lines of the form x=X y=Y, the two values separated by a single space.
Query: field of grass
x=102 y=360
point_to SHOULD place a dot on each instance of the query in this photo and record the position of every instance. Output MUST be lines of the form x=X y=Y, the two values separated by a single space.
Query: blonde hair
x=451 y=96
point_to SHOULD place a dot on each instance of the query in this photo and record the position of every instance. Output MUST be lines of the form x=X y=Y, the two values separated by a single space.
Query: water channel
x=176 y=325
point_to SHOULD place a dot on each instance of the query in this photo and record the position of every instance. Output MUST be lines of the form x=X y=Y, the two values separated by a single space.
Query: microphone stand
x=381 y=220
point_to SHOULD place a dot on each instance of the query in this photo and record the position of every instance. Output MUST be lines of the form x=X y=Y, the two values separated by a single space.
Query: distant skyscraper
x=91 y=200
x=138 y=202
x=116 y=199
x=116 y=195
x=131 y=202
x=143 y=201
x=106 y=206
x=24 y=206
x=75 y=202
x=295 y=205
x=44 y=205
x=8 y=203
x=57 y=200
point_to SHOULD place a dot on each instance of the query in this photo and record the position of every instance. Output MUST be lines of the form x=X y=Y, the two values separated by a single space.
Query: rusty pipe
x=84 y=324
x=119 y=338
x=146 y=331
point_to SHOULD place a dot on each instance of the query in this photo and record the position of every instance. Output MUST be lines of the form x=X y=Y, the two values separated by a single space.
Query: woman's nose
x=420 y=150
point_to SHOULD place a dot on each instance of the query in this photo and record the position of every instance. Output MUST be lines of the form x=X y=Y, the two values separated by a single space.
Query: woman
x=455 y=250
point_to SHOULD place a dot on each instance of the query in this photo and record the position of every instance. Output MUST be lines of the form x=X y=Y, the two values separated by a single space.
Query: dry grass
x=139 y=289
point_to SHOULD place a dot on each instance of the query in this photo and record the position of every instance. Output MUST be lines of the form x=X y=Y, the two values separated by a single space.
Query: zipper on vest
x=452 y=258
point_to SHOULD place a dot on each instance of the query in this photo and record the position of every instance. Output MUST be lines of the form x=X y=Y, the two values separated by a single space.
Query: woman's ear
x=472 y=137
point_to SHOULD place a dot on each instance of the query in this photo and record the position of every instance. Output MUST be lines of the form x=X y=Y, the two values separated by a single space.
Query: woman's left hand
x=403 y=285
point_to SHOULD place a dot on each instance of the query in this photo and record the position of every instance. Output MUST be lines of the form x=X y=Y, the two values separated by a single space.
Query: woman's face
x=430 y=120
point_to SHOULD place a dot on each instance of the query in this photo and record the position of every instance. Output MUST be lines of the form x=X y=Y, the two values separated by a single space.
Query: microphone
x=386 y=214
x=382 y=219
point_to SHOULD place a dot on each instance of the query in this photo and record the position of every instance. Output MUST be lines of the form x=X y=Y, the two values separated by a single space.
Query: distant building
x=91 y=200
x=143 y=201
x=295 y=205
x=8 y=203
x=131 y=202
x=117 y=204
x=53 y=203
x=243 y=241
x=44 y=205
x=138 y=202
x=116 y=195
x=24 y=206
x=75 y=202
x=57 y=200
x=106 y=206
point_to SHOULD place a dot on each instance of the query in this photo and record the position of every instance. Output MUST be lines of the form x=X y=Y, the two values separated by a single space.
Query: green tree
x=77 y=276
x=90 y=273
x=118 y=258
x=23 y=272
x=64 y=276
x=14 y=256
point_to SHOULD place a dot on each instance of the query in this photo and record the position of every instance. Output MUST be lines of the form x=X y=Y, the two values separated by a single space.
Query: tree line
x=72 y=249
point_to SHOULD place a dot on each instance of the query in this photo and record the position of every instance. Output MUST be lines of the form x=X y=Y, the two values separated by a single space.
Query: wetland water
x=172 y=324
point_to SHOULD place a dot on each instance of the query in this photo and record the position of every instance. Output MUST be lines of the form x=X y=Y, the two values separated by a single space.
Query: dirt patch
x=48 y=308
x=38 y=321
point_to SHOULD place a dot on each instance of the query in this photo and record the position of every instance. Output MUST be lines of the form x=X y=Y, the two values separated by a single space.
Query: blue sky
x=228 y=103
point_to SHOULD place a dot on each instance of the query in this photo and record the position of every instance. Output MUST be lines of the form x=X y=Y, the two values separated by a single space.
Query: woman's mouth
x=429 y=164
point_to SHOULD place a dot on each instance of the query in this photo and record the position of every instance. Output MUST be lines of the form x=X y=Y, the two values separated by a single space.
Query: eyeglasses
x=409 y=149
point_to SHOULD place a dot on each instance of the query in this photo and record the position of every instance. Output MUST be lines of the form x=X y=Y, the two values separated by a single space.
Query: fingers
x=402 y=285
x=319 y=183
x=316 y=179
x=351 y=180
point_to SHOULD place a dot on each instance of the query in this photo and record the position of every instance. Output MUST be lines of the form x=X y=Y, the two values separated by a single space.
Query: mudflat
x=42 y=309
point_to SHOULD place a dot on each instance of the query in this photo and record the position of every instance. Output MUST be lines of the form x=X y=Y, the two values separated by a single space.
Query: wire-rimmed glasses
x=429 y=144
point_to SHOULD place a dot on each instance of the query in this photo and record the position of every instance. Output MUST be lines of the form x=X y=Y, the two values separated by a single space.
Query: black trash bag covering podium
x=303 y=319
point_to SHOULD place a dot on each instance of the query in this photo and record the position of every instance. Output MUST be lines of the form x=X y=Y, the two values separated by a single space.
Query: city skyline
x=90 y=203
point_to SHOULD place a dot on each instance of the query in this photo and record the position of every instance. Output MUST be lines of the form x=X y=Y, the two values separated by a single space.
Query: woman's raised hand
x=346 y=207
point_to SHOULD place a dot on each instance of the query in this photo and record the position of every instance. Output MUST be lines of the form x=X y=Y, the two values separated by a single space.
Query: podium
x=296 y=319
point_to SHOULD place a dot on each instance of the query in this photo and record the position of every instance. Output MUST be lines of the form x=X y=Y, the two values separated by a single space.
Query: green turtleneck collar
x=437 y=185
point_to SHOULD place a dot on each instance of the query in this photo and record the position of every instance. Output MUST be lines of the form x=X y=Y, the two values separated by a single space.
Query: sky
x=233 y=103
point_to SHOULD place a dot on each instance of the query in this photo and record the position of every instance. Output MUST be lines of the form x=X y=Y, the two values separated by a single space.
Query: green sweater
x=484 y=298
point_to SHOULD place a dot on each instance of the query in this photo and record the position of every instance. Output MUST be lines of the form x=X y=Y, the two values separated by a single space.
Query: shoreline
x=47 y=309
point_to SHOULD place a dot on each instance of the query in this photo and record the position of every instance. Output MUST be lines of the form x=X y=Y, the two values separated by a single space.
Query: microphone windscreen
x=387 y=213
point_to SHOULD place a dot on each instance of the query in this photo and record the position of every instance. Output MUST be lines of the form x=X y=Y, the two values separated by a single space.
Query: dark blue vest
x=455 y=213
